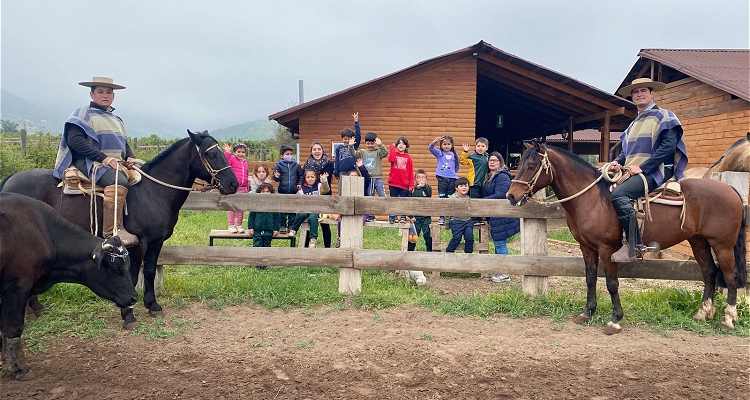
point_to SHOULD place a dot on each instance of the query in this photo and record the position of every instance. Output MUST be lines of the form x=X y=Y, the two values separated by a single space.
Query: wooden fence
x=533 y=263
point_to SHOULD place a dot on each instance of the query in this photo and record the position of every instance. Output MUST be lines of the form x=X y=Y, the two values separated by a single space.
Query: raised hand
x=356 y=116
x=324 y=176
x=466 y=146
x=226 y=147
x=377 y=141
x=437 y=140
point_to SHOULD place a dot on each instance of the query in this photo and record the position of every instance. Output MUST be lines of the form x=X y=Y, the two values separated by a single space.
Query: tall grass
x=74 y=310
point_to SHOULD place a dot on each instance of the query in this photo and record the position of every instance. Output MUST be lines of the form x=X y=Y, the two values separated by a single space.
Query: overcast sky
x=213 y=64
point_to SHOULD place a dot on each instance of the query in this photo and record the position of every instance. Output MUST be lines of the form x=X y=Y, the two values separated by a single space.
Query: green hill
x=255 y=130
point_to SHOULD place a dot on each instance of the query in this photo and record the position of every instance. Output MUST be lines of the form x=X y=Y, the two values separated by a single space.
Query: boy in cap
x=288 y=174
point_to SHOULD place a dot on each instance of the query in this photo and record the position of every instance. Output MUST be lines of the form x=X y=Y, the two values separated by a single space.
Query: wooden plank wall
x=431 y=102
x=711 y=119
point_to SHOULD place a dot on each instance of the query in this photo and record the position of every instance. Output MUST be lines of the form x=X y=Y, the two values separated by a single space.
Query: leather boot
x=631 y=249
x=128 y=239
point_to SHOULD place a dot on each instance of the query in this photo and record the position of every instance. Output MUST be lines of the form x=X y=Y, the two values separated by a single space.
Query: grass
x=73 y=310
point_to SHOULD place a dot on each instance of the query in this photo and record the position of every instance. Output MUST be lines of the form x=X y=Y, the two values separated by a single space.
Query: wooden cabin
x=478 y=91
x=708 y=90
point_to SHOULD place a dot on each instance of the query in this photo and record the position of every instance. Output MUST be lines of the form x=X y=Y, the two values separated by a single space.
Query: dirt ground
x=247 y=352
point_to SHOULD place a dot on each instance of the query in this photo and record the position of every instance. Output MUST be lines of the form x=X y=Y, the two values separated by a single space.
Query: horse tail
x=740 y=258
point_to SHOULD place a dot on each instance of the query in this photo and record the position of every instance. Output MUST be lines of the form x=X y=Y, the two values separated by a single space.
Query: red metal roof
x=585 y=135
x=726 y=69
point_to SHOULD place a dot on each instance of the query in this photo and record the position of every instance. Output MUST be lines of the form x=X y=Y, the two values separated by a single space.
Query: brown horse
x=736 y=158
x=713 y=221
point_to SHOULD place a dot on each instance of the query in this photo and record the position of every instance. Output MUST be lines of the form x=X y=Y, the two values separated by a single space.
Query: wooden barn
x=709 y=90
x=478 y=91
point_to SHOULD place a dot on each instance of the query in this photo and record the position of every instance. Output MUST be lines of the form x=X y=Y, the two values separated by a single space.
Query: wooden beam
x=525 y=98
x=592 y=117
x=570 y=134
x=534 y=87
x=604 y=154
x=547 y=81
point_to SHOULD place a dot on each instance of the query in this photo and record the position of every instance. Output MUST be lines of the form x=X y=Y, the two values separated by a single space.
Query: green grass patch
x=73 y=310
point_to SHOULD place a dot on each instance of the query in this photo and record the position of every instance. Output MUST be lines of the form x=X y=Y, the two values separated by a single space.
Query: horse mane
x=603 y=184
x=164 y=154
x=731 y=148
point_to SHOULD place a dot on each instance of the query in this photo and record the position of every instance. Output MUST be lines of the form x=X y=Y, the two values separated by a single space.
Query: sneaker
x=441 y=221
x=232 y=229
x=370 y=218
x=338 y=243
x=292 y=232
x=391 y=219
x=498 y=278
x=259 y=268
x=240 y=229
x=283 y=231
x=313 y=243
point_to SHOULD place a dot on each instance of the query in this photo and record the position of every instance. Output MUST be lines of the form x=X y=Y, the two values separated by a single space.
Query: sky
x=213 y=64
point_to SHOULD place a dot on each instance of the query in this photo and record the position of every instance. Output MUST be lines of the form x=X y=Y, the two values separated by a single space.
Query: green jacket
x=424 y=191
x=371 y=159
x=264 y=221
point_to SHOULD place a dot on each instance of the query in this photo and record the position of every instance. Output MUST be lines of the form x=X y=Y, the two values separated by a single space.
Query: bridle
x=215 y=181
x=547 y=167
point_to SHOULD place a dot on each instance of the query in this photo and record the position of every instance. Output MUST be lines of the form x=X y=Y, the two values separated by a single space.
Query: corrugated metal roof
x=726 y=69
x=585 y=135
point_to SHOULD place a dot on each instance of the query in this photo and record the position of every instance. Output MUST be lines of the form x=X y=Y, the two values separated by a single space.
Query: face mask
x=288 y=158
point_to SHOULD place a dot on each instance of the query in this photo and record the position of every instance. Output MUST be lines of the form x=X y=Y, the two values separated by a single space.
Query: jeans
x=501 y=247
x=461 y=229
x=397 y=192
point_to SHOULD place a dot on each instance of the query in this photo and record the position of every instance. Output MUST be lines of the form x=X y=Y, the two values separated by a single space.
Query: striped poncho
x=639 y=139
x=107 y=132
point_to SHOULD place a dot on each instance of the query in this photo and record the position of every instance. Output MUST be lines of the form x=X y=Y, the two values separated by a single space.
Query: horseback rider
x=94 y=140
x=652 y=148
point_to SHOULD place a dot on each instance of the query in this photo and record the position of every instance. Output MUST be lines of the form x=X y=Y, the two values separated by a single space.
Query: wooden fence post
x=352 y=231
x=534 y=243
x=23 y=143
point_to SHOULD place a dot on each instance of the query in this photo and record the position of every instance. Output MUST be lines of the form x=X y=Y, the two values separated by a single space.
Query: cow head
x=111 y=278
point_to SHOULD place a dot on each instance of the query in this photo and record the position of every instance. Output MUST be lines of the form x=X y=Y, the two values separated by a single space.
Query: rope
x=605 y=174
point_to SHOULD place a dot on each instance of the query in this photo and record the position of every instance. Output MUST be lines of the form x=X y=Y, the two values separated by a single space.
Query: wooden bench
x=305 y=228
x=225 y=234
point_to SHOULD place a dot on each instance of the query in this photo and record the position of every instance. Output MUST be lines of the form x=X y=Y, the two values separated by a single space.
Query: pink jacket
x=240 y=169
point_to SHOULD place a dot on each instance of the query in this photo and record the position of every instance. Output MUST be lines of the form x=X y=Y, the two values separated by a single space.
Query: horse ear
x=193 y=136
x=527 y=145
x=536 y=146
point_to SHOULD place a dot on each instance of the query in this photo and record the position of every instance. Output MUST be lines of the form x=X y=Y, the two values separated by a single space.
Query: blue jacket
x=291 y=176
x=496 y=188
x=345 y=162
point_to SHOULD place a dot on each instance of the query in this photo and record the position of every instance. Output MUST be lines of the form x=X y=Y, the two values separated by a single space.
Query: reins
x=617 y=177
x=206 y=164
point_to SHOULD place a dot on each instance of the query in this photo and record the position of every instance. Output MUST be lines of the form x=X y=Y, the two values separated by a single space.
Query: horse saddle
x=669 y=193
x=76 y=182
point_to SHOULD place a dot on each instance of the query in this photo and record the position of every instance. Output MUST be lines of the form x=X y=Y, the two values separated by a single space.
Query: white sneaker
x=498 y=278
x=292 y=232
x=240 y=229
x=313 y=242
x=232 y=229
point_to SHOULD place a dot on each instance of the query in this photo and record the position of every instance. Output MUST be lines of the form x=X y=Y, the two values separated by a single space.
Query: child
x=477 y=163
x=461 y=226
x=289 y=175
x=401 y=176
x=346 y=162
x=360 y=171
x=447 y=167
x=371 y=156
x=421 y=224
x=263 y=225
x=496 y=187
x=237 y=160
x=260 y=175
x=311 y=187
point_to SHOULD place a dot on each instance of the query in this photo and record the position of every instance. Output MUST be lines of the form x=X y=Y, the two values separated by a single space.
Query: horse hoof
x=24 y=375
x=580 y=319
x=156 y=314
x=612 y=328
x=726 y=325
x=129 y=326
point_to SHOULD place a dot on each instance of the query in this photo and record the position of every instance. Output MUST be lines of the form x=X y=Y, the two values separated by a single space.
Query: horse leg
x=709 y=270
x=149 y=275
x=726 y=263
x=591 y=260
x=613 y=287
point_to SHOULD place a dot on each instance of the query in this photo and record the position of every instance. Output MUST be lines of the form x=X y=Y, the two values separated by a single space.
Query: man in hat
x=94 y=140
x=652 y=147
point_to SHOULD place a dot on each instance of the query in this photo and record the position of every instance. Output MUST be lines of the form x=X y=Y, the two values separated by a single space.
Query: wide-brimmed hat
x=102 y=81
x=626 y=91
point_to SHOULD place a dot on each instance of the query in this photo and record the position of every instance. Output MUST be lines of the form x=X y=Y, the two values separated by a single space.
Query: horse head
x=216 y=169
x=534 y=173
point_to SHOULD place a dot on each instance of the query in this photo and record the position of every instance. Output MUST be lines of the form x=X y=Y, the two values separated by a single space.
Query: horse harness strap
x=670 y=193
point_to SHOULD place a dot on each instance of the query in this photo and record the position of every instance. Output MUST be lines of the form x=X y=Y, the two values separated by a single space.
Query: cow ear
x=98 y=256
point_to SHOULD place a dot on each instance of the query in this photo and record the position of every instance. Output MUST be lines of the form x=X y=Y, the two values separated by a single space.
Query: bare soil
x=246 y=352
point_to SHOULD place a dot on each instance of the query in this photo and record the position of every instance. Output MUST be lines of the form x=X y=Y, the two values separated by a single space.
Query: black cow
x=39 y=248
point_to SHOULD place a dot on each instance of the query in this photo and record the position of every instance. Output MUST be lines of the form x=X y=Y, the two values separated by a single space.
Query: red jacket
x=402 y=169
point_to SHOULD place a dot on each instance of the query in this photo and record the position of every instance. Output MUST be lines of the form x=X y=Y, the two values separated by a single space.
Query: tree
x=8 y=126
x=282 y=136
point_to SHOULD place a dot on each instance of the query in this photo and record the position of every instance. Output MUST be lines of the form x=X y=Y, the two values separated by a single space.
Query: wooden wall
x=711 y=118
x=421 y=104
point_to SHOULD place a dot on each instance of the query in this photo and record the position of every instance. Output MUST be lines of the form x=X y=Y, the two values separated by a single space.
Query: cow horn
x=107 y=246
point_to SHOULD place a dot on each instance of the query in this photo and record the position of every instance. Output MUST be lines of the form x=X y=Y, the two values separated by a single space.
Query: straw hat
x=102 y=81
x=626 y=91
